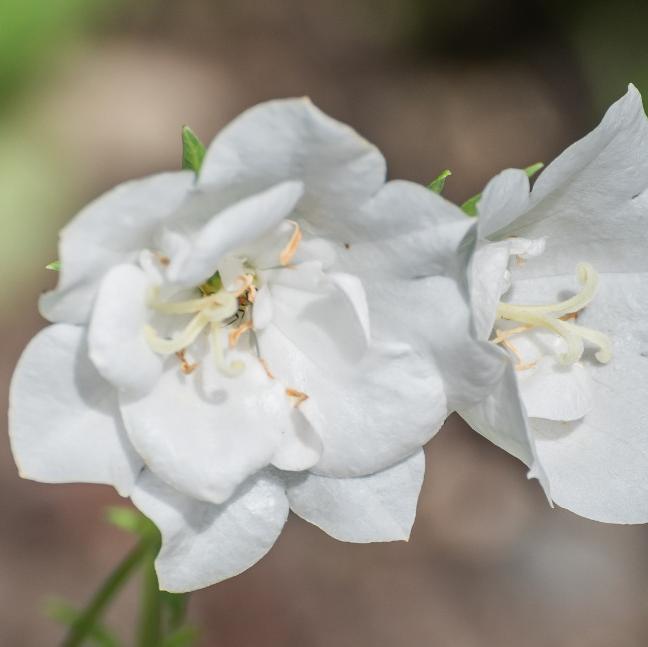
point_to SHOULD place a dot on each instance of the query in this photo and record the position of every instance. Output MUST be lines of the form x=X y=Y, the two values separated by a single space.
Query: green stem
x=82 y=627
x=149 y=631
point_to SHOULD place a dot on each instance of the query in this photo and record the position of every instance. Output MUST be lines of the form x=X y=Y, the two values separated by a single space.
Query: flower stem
x=149 y=630
x=82 y=627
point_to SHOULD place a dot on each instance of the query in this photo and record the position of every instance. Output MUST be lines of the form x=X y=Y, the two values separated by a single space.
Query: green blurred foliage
x=32 y=32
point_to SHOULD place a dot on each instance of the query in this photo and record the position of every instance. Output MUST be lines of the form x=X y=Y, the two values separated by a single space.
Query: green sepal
x=193 y=150
x=439 y=182
x=54 y=265
x=469 y=207
x=63 y=612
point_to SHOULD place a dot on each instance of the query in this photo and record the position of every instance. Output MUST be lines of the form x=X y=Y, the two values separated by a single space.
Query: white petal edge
x=110 y=230
x=116 y=339
x=292 y=139
x=64 y=423
x=204 y=543
x=378 y=507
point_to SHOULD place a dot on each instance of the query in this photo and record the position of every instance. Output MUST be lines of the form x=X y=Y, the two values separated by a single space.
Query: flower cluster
x=286 y=329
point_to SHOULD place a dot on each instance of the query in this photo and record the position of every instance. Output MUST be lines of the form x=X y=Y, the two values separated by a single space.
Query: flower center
x=217 y=309
x=558 y=319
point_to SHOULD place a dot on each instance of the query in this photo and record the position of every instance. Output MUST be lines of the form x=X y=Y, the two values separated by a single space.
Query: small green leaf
x=469 y=207
x=193 y=150
x=533 y=169
x=437 y=184
x=66 y=614
x=54 y=265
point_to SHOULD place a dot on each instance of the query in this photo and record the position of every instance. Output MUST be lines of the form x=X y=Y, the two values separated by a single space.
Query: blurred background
x=93 y=92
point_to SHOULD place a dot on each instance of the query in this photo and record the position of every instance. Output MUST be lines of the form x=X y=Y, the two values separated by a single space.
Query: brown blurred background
x=93 y=92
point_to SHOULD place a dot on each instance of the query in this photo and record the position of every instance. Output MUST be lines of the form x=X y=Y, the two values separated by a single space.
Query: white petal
x=116 y=335
x=598 y=466
x=291 y=139
x=203 y=543
x=505 y=198
x=502 y=419
x=487 y=284
x=405 y=231
x=205 y=433
x=300 y=448
x=549 y=389
x=195 y=254
x=379 y=507
x=432 y=314
x=370 y=416
x=109 y=231
x=263 y=309
x=64 y=422
x=592 y=202
x=328 y=323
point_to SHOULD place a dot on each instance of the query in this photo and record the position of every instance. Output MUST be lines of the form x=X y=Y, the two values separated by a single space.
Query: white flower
x=559 y=281
x=228 y=348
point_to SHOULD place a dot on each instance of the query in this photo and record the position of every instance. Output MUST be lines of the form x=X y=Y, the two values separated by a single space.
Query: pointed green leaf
x=469 y=207
x=437 y=184
x=54 y=265
x=533 y=169
x=193 y=150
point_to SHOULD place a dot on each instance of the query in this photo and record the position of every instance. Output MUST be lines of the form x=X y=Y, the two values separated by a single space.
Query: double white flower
x=225 y=348
x=559 y=281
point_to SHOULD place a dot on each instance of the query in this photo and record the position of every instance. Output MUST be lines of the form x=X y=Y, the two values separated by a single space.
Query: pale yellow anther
x=289 y=251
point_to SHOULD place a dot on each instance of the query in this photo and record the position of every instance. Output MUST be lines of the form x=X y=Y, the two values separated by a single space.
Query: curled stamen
x=604 y=354
x=588 y=276
x=178 y=343
x=183 y=307
x=288 y=252
x=233 y=369
x=575 y=346
x=558 y=317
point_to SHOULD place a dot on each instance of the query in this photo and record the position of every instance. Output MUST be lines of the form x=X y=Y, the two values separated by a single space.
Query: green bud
x=437 y=184
x=469 y=207
x=193 y=150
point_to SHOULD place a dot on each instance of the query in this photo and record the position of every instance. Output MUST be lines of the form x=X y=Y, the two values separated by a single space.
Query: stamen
x=235 y=335
x=588 y=276
x=557 y=318
x=290 y=249
x=266 y=368
x=503 y=338
x=185 y=366
x=298 y=395
x=181 y=341
x=233 y=369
